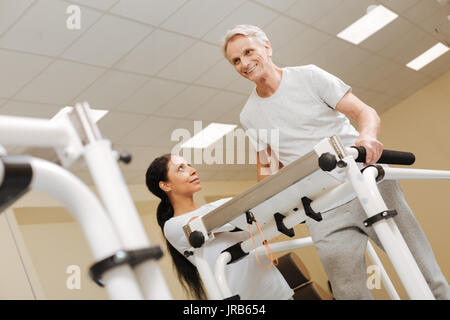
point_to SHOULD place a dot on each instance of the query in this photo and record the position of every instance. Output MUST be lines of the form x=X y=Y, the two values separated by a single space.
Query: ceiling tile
x=28 y=109
x=384 y=102
x=231 y=117
x=398 y=6
x=60 y=83
x=438 y=25
x=422 y=10
x=148 y=132
x=115 y=125
x=241 y=85
x=280 y=5
x=248 y=13
x=399 y=81
x=389 y=34
x=192 y=63
x=281 y=30
x=141 y=157
x=43 y=30
x=111 y=89
x=438 y=66
x=301 y=46
x=218 y=76
x=309 y=12
x=155 y=52
x=11 y=11
x=365 y=95
x=346 y=13
x=422 y=82
x=100 y=44
x=17 y=69
x=150 y=11
x=187 y=21
x=186 y=102
x=372 y=71
x=151 y=96
x=336 y=56
x=218 y=106
x=176 y=134
x=98 y=4
x=409 y=46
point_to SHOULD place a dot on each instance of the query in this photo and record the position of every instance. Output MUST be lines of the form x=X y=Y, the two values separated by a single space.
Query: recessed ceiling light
x=209 y=135
x=96 y=114
x=376 y=18
x=425 y=58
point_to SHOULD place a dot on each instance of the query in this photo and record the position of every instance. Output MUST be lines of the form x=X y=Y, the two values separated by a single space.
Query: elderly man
x=307 y=104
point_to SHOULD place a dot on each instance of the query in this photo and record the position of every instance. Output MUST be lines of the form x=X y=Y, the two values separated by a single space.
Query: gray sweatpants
x=341 y=240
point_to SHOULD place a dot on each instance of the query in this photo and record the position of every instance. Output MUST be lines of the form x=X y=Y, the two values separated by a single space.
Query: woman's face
x=182 y=178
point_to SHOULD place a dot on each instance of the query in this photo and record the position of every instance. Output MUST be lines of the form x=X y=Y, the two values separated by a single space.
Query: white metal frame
x=362 y=185
x=111 y=224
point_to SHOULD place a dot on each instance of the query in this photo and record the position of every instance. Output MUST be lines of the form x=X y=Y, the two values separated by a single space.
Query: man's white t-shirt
x=245 y=277
x=303 y=111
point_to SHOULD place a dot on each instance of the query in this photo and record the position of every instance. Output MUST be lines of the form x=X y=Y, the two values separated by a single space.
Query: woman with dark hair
x=174 y=181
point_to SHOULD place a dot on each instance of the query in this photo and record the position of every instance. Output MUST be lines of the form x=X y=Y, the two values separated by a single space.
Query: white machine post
x=368 y=194
x=207 y=275
x=84 y=206
x=116 y=198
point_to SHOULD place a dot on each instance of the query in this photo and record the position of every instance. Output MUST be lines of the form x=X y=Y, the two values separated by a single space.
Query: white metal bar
x=19 y=131
x=415 y=174
x=220 y=273
x=287 y=245
x=388 y=285
x=207 y=275
x=86 y=209
x=120 y=206
x=400 y=256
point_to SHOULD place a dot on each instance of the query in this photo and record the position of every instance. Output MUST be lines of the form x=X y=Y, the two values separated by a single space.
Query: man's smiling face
x=248 y=56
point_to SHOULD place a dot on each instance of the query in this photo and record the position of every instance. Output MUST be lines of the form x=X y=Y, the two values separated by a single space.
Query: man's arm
x=368 y=124
x=263 y=161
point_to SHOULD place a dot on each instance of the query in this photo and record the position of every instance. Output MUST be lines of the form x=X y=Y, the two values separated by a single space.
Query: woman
x=174 y=181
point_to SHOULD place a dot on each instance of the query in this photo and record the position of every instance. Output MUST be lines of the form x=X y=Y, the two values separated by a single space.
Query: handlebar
x=388 y=156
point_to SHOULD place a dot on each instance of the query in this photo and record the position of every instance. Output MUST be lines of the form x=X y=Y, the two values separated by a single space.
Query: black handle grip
x=388 y=156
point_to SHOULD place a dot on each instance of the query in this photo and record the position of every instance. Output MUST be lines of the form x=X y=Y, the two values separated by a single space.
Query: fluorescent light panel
x=96 y=114
x=425 y=58
x=209 y=135
x=367 y=25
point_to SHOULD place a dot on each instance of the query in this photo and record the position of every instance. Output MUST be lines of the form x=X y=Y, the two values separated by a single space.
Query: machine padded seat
x=293 y=270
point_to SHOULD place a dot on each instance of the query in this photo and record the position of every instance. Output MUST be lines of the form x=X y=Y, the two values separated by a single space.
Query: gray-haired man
x=307 y=104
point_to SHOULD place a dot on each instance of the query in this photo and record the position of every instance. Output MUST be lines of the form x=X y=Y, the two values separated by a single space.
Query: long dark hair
x=186 y=271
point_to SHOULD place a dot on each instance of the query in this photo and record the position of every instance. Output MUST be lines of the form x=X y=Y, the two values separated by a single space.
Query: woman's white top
x=245 y=277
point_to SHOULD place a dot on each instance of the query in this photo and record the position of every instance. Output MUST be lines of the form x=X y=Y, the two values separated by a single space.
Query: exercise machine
x=324 y=178
x=125 y=261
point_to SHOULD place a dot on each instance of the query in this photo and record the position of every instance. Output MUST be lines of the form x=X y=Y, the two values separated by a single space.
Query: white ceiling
x=156 y=64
